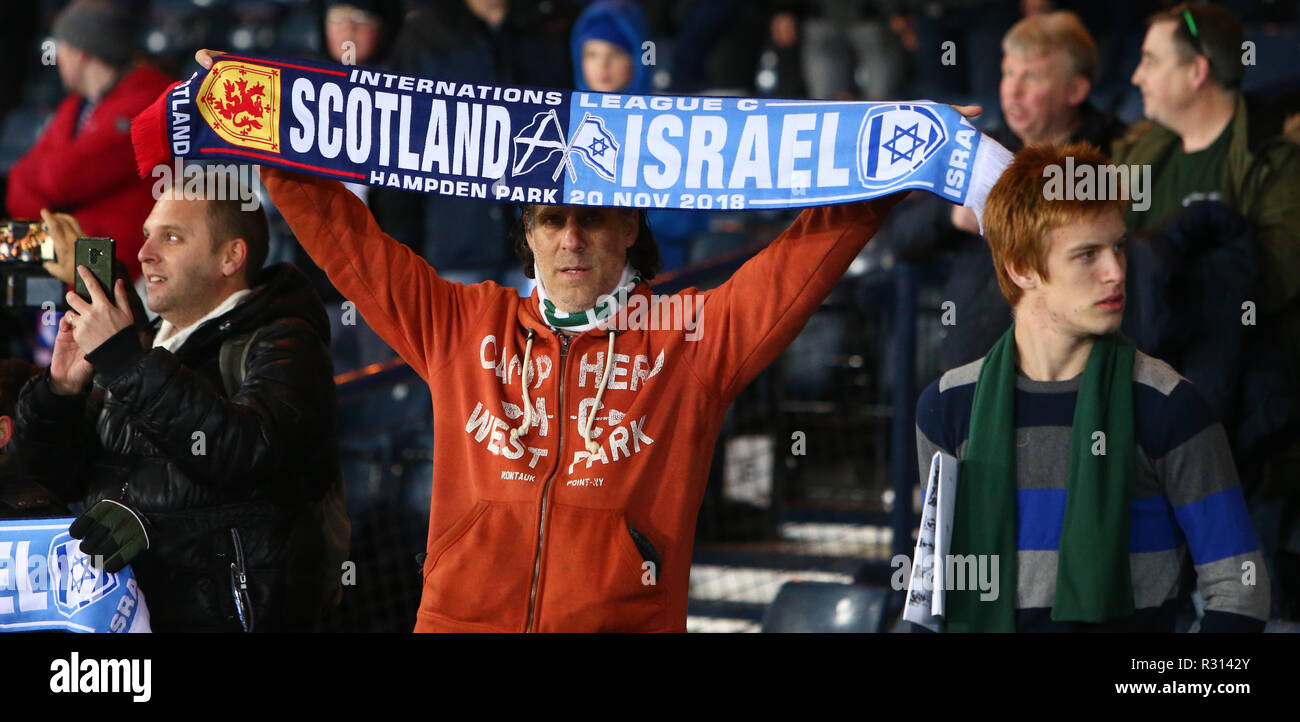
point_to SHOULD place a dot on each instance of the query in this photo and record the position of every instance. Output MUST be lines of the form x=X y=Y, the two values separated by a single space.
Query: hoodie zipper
x=546 y=487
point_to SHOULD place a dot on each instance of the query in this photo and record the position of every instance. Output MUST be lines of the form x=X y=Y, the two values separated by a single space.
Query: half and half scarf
x=537 y=145
x=1093 y=578
x=606 y=307
x=55 y=587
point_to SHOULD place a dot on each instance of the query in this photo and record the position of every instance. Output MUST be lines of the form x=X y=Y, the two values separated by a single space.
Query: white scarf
x=171 y=338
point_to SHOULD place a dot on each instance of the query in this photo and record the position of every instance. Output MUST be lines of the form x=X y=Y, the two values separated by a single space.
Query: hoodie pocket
x=602 y=575
x=479 y=570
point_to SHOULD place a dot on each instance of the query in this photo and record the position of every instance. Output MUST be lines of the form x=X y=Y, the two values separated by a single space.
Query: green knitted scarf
x=606 y=307
x=1093 y=581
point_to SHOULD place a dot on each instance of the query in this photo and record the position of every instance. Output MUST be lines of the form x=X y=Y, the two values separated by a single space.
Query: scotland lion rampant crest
x=241 y=102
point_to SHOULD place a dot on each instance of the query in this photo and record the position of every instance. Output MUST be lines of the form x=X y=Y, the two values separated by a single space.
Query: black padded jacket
x=244 y=493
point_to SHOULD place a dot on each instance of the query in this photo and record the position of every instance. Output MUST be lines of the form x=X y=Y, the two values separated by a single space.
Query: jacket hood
x=619 y=22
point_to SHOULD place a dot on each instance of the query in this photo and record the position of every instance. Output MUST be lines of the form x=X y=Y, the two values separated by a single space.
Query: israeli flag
x=596 y=146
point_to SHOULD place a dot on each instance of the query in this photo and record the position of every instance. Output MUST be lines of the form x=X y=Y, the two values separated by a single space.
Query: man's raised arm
x=419 y=314
x=398 y=293
x=748 y=321
x=745 y=323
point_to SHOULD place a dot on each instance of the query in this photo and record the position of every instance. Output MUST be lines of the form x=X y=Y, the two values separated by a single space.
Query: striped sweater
x=1186 y=498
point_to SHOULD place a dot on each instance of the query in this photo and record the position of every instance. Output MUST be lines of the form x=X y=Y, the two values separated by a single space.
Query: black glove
x=111 y=530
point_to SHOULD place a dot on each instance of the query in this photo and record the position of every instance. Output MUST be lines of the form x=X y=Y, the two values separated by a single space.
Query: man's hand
x=63 y=230
x=95 y=322
x=963 y=219
x=70 y=373
x=205 y=57
x=111 y=532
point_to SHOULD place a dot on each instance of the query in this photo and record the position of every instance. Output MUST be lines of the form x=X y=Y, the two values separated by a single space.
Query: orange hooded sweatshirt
x=531 y=531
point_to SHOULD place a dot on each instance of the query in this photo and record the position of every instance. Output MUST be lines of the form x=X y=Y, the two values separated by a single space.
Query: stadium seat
x=825 y=607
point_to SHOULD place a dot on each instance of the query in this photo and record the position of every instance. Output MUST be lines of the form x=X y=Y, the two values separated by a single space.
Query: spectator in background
x=353 y=32
x=359 y=32
x=849 y=50
x=954 y=40
x=20 y=496
x=1048 y=64
x=1204 y=140
x=606 y=46
x=783 y=60
x=83 y=163
x=1207 y=141
x=718 y=45
x=490 y=41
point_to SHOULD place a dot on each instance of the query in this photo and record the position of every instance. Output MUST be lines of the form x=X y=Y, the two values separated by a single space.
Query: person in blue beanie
x=607 y=48
x=608 y=44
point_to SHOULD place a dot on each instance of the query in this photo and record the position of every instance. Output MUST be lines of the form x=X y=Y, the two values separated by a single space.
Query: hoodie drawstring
x=585 y=429
x=522 y=429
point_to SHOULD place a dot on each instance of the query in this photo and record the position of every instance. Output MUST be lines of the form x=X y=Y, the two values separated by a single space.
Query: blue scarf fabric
x=537 y=145
x=47 y=584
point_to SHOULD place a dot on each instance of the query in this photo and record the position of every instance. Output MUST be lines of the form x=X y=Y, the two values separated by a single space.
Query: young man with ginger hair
x=1092 y=466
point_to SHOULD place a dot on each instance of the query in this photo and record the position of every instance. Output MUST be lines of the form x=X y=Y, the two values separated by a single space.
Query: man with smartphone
x=204 y=450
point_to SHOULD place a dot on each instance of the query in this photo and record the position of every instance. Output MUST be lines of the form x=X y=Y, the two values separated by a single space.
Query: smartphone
x=97 y=255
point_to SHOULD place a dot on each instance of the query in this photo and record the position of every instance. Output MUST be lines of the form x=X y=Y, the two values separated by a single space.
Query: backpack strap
x=233 y=355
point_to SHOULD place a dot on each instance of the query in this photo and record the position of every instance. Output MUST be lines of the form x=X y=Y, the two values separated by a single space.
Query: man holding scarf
x=573 y=428
x=1087 y=469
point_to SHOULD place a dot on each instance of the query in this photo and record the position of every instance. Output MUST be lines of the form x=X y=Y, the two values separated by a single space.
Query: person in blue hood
x=607 y=47
x=607 y=44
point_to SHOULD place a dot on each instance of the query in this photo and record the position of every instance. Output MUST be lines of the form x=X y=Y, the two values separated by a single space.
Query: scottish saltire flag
x=538 y=145
x=47 y=584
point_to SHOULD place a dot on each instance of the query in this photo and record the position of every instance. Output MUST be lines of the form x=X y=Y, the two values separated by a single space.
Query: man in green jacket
x=1205 y=141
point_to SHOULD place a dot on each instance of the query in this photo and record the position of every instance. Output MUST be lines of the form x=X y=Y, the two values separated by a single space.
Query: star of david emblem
x=81 y=572
x=901 y=134
x=599 y=146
